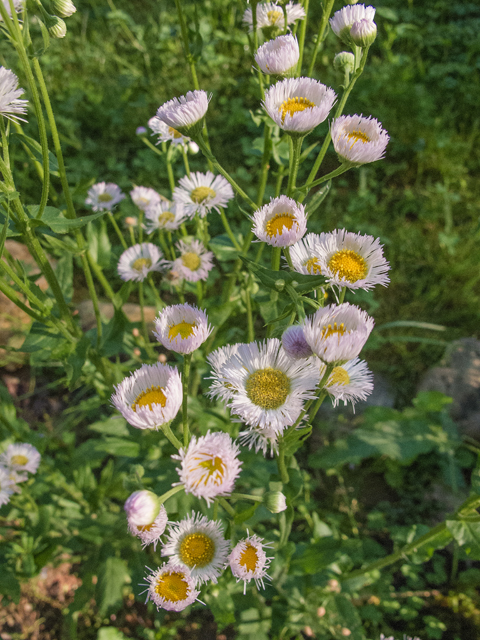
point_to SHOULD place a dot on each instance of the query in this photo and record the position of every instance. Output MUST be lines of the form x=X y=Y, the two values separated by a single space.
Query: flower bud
x=275 y=501
x=142 y=507
x=193 y=147
x=63 y=8
x=344 y=62
x=141 y=131
x=294 y=343
x=56 y=27
x=363 y=32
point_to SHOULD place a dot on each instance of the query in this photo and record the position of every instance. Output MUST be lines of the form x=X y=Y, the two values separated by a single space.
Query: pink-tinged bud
x=363 y=32
x=141 y=131
x=321 y=611
x=142 y=507
x=294 y=343
x=346 y=632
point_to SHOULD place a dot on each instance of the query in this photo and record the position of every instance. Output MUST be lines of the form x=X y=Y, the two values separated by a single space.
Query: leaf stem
x=321 y=31
x=186 y=372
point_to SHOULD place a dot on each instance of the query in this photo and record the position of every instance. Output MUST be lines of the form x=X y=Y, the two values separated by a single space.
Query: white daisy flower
x=194 y=262
x=166 y=133
x=294 y=343
x=144 y=197
x=171 y=587
x=219 y=388
x=202 y=192
x=150 y=533
x=198 y=544
x=271 y=15
x=11 y=105
x=342 y=21
x=280 y=223
x=352 y=260
x=260 y=439
x=278 y=56
x=164 y=215
x=150 y=396
x=337 y=333
x=358 y=140
x=17 y=5
x=298 y=105
x=182 y=328
x=138 y=261
x=248 y=561
x=350 y=382
x=20 y=457
x=104 y=196
x=184 y=113
x=269 y=387
x=303 y=257
x=210 y=466
x=7 y=486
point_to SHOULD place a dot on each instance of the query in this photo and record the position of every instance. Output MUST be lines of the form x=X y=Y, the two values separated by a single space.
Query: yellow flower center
x=348 y=264
x=313 y=265
x=338 y=376
x=105 y=197
x=172 y=587
x=145 y=527
x=166 y=217
x=197 y=550
x=143 y=200
x=140 y=263
x=173 y=132
x=153 y=395
x=182 y=329
x=276 y=224
x=330 y=331
x=212 y=466
x=19 y=459
x=274 y=16
x=357 y=136
x=268 y=388
x=191 y=260
x=294 y=105
x=249 y=558
x=202 y=194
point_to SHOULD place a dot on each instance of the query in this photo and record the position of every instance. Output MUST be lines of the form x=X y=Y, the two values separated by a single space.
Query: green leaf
x=3 y=237
x=99 y=244
x=9 y=585
x=476 y=477
x=112 y=575
x=112 y=426
x=36 y=150
x=273 y=279
x=118 y=447
x=312 y=558
x=110 y=633
x=64 y=273
x=112 y=340
x=223 y=248
x=75 y=362
x=466 y=532
x=12 y=231
x=55 y=220
x=40 y=338
x=316 y=199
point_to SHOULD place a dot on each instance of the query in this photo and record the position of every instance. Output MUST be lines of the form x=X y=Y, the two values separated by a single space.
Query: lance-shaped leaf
x=276 y=280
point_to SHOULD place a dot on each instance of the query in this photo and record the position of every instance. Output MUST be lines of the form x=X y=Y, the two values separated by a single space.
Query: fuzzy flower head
x=171 y=587
x=270 y=16
x=185 y=114
x=166 y=133
x=294 y=343
x=144 y=197
x=11 y=105
x=344 y=19
x=20 y=457
x=337 y=333
x=150 y=533
x=279 y=56
x=7 y=486
x=210 y=466
x=103 y=196
x=349 y=382
x=280 y=223
x=202 y=192
x=195 y=262
x=352 y=260
x=138 y=261
x=164 y=215
x=298 y=105
x=248 y=561
x=197 y=543
x=358 y=140
x=150 y=396
x=182 y=328
x=220 y=388
x=303 y=255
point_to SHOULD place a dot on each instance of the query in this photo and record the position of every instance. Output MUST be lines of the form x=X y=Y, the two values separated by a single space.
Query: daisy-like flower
x=104 y=196
x=270 y=15
x=343 y=20
x=185 y=114
x=216 y=359
x=20 y=457
x=152 y=532
x=358 y=140
x=260 y=439
x=182 y=328
x=298 y=105
x=248 y=561
x=337 y=333
x=7 y=486
x=294 y=343
x=198 y=544
x=352 y=260
x=171 y=587
x=280 y=223
x=303 y=255
x=194 y=262
x=144 y=197
x=11 y=106
x=202 y=192
x=17 y=5
x=278 y=56
x=138 y=261
x=350 y=382
x=210 y=466
x=269 y=388
x=166 y=133
x=150 y=396
x=164 y=215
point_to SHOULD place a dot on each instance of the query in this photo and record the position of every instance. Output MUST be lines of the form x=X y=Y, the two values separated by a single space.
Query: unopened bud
x=137 y=352
x=321 y=611
x=142 y=507
x=308 y=632
x=334 y=585
x=275 y=501
x=193 y=147
x=56 y=27
x=141 y=131
x=135 y=332
x=63 y=8
x=279 y=284
x=363 y=32
x=162 y=358
x=345 y=62
x=346 y=632
x=130 y=221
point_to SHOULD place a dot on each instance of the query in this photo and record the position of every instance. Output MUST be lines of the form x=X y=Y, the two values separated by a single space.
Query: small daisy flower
x=104 y=196
x=280 y=223
x=349 y=382
x=342 y=21
x=195 y=262
x=248 y=561
x=164 y=215
x=150 y=533
x=182 y=328
x=210 y=466
x=21 y=457
x=352 y=260
x=198 y=544
x=294 y=343
x=358 y=140
x=298 y=105
x=303 y=257
x=270 y=15
x=202 y=192
x=150 y=396
x=278 y=56
x=138 y=261
x=220 y=388
x=166 y=133
x=185 y=114
x=337 y=333
x=11 y=105
x=260 y=439
x=269 y=387
x=7 y=486
x=171 y=587
x=144 y=197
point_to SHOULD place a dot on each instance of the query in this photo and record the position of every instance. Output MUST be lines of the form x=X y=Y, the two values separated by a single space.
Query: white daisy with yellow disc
x=7 y=486
x=219 y=388
x=186 y=113
x=19 y=458
x=202 y=192
x=166 y=133
x=138 y=261
x=144 y=197
x=164 y=215
x=171 y=587
x=281 y=223
x=303 y=257
x=349 y=382
x=358 y=140
x=182 y=328
x=248 y=561
x=103 y=196
x=195 y=262
x=197 y=543
x=150 y=396
x=270 y=15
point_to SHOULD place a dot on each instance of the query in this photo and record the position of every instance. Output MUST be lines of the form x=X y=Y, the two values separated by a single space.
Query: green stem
x=186 y=372
x=185 y=160
x=286 y=251
x=255 y=47
x=140 y=226
x=229 y=509
x=321 y=31
x=148 y=344
x=168 y=162
x=295 y=152
x=228 y=229
x=102 y=279
x=163 y=498
x=171 y=437
x=248 y=302
x=276 y=255
x=341 y=298
x=301 y=43
x=156 y=294
x=333 y=174
x=267 y=150
x=282 y=467
x=199 y=293
x=117 y=231
x=11 y=294
x=245 y=496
